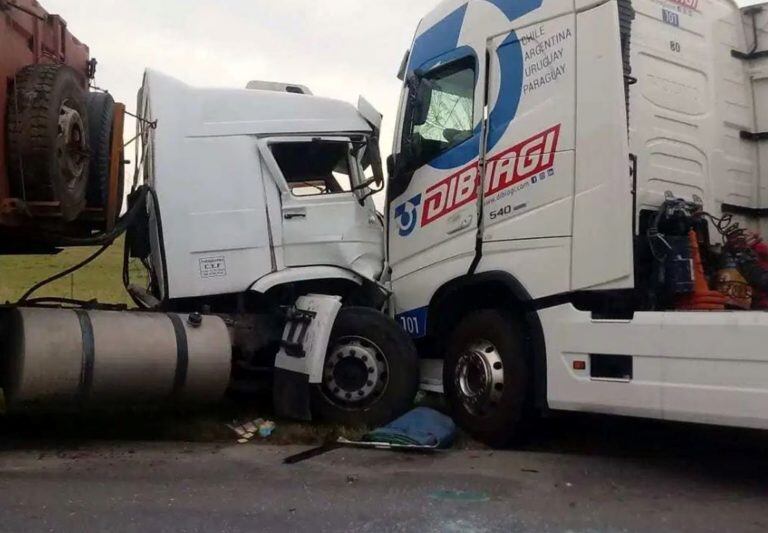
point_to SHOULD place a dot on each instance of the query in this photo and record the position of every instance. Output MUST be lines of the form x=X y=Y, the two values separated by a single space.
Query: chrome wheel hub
x=355 y=372
x=72 y=149
x=479 y=378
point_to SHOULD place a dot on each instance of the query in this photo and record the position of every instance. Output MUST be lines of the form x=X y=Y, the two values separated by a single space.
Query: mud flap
x=301 y=358
x=290 y=394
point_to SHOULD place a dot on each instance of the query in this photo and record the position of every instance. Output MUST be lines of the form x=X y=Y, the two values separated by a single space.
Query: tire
x=101 y=114
x=48 y=143
x=367 y=342
x=486 y=377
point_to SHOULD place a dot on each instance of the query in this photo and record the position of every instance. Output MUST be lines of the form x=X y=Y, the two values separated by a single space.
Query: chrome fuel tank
x=57 y=357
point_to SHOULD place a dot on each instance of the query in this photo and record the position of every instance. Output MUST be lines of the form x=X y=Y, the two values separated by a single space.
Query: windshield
x=443 y=111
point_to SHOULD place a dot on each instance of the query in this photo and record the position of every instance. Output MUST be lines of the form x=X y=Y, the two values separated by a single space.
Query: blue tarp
x=421 y=427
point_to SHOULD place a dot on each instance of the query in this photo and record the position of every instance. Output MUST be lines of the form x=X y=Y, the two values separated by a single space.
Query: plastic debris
x=249 y=430
x=266 y=429
x=423 y=430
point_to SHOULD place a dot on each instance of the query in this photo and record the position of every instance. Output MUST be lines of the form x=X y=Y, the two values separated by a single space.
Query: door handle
x=291 y=214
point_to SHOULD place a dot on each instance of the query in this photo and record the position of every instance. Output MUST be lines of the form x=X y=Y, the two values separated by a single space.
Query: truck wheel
x=486 y=375
x=101 y=114
x=371 y=372
x=48 y=147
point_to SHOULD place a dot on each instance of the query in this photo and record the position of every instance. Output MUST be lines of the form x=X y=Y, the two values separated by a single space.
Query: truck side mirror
x=422 y=101
x=374 y=152
x=372 y=155
x=416 y=114
x=419 y=98
x=372 y=159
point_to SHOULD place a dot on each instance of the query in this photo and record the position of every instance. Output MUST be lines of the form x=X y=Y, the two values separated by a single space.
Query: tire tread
x=31 y=127
x=508 y=424
x=403 y=367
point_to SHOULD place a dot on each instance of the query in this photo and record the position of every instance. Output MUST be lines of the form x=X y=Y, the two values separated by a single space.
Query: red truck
x=61 y=144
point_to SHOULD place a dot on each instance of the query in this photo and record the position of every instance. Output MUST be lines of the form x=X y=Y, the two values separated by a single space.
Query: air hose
x=104 y=241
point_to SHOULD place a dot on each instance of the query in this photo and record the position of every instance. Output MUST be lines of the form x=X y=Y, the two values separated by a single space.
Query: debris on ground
x=266 y=429
x=249 y=430
x=421 y=430
x=312 y=452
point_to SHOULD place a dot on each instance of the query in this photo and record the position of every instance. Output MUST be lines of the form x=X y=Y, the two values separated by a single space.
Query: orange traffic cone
x=702 y=298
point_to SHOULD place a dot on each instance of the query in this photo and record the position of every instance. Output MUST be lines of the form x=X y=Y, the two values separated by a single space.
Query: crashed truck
x=253 y=250
x=574 y=217
x=577 y=209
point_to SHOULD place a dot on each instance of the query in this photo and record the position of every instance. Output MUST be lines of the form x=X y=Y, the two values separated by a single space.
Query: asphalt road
x=582 y=474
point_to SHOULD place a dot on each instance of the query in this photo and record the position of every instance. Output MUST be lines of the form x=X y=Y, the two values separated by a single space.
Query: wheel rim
x=479 y=378
x=356 y=373
x=72 y=150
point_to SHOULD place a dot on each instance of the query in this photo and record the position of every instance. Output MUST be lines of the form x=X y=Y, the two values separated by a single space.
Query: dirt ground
x=580 y=473
x=175 y=470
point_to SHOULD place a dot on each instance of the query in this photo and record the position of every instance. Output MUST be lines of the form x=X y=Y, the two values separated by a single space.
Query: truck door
x=433 y=191
x=326 y=219
x=557 y=185
x=530 y=158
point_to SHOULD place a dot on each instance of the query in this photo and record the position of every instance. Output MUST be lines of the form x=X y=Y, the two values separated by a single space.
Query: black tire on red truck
x=101 y=114
x=48 y=141
x=101 y=117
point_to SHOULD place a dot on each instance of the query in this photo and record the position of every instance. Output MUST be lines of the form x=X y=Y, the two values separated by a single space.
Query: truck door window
x=448 y=121
x=314 y=168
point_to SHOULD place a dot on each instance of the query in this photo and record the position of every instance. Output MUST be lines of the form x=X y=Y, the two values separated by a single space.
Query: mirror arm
x=367 y=183
x=371 y=193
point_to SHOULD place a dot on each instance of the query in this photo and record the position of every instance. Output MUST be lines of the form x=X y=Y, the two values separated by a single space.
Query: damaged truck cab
x=262 y=213
x=255 y=255
x=259 y=188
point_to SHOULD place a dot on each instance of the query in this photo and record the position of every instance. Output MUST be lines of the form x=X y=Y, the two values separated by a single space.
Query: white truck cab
x=262 y=256
x=260 y=214
x=538 y=146
x=260 y=188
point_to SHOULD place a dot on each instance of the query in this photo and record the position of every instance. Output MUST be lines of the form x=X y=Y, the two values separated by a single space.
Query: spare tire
x=101 y=115
x=48 y=143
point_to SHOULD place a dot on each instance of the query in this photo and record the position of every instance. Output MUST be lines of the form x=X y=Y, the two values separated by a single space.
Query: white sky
x=339 y=48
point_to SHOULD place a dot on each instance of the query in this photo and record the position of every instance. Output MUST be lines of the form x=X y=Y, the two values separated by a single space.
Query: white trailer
x=538 y=144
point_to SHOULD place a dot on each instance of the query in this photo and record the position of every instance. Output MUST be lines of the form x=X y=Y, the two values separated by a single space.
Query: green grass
x=101 y=280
